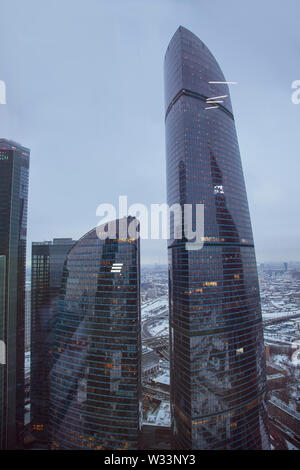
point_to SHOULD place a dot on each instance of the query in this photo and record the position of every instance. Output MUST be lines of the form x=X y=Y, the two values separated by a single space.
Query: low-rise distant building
x=156 y=437
x=284 y=424
x=150 y=362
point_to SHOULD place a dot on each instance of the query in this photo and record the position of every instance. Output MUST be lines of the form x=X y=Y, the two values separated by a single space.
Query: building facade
x=14 y=174
x=217 y=355
x=96 y=379
x=47 y=262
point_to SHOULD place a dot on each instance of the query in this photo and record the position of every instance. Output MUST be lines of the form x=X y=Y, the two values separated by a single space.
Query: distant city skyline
x=84 y=91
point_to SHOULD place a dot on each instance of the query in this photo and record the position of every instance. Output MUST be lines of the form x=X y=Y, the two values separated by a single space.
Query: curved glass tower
x=217 y=349
x=95 y=391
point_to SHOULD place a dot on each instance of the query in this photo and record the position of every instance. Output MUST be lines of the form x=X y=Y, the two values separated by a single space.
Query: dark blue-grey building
x=217 y=351
x=47 y=262
x=95 y=393
x=14 y=174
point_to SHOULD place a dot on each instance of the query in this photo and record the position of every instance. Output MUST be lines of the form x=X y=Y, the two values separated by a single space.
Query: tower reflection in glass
x=217 y=351
x=96 y=379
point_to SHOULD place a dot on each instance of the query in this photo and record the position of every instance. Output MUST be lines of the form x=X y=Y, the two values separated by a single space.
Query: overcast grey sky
x=85 y=93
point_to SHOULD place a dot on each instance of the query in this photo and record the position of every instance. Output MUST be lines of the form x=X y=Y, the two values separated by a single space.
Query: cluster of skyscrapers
x=86 y=390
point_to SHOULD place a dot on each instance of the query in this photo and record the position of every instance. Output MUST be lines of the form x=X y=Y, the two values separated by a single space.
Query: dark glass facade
x=47 y=262
x=217 y=351
x=96 y=378
x=14 y=172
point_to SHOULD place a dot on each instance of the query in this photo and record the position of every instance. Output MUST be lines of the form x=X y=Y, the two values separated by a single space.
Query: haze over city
x=85 y=93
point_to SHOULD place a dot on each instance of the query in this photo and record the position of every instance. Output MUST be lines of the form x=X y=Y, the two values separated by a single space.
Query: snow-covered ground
x=163 y=379
x=162 y=417
x=155 y=307
x=283 y=312
x=287 y=331
x=161 y=327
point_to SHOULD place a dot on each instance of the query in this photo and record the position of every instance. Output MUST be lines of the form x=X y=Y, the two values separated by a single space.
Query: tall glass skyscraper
x=14 y=172
x=217 y=350
x=96 y=378
x=47 y=262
